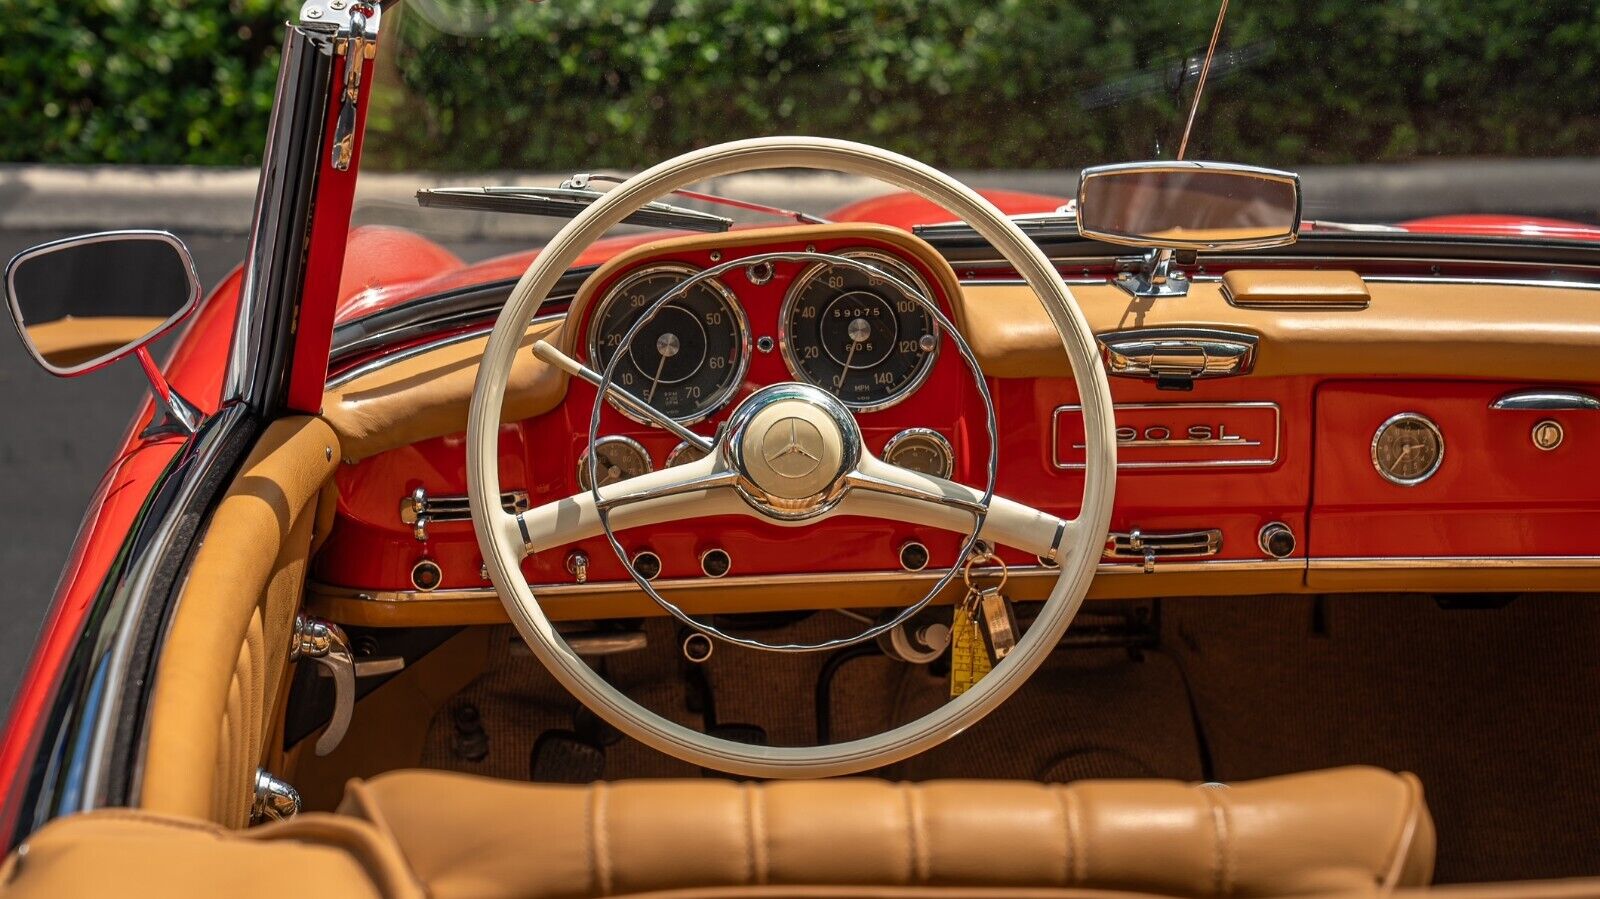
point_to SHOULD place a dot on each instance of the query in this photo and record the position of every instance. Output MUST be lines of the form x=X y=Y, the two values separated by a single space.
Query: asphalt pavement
x=57 y=436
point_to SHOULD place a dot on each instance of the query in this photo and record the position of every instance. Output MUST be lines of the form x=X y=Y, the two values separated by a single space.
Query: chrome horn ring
x=837 y=483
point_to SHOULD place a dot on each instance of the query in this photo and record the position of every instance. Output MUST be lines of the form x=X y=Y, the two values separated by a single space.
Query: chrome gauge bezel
x=741 y=323
x=900 y=269
x=1391 y=421
x=634 y=445
x=677 y=452
x=945 y=449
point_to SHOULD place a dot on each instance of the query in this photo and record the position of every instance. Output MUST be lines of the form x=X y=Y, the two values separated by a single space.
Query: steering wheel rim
x=502 y=550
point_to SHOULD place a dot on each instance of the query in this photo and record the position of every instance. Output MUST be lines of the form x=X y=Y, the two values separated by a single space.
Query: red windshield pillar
x=330 y=231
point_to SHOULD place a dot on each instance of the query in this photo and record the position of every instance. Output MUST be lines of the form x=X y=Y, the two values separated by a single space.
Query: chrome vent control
x=419 y=510
x=1149 y=547
x=1174 y=358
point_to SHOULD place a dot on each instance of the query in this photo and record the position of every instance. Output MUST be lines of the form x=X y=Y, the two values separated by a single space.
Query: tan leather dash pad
x=1290 y=289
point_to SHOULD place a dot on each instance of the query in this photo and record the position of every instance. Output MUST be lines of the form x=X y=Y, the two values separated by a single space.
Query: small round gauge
x=857 y=335
x=687 y=360
x=684 y=453
x=1407 y=449
x=619 y=458
x=921 y=450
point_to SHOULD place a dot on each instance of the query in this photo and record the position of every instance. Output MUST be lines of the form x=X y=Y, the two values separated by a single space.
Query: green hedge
x=137 y=81
x=962 y=83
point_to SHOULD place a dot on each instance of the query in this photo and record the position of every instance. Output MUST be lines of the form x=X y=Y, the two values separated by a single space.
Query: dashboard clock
x=1407 y=449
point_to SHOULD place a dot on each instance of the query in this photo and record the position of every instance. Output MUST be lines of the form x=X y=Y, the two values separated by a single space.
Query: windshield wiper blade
x=565 y=202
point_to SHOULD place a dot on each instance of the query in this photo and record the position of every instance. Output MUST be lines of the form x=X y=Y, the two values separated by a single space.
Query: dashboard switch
x=715 y=562
x=1276 y=540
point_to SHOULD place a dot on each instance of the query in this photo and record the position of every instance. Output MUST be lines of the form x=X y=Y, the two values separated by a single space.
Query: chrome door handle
x=325 y=643
x=1177 y=357
x=1544 y=400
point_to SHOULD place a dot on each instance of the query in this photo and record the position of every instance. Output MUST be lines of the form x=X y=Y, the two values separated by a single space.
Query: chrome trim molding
x=384 y=361
x=748 y=581
x=1277 y=431
x=1355 y=563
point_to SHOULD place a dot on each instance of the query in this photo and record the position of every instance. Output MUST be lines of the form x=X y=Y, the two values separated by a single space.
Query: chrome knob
x=1276 y=540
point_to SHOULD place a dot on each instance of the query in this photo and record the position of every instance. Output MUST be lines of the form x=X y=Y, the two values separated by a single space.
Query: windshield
x=1391 y=111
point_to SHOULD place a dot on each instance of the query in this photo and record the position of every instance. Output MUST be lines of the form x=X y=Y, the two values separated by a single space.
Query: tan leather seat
x=1351 y=829
x=424 y=835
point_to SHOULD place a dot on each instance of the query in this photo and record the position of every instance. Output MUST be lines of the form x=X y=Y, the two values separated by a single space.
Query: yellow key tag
x=969 y=660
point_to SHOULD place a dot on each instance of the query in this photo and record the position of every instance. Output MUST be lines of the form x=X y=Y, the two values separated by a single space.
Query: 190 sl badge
x=1407 y=449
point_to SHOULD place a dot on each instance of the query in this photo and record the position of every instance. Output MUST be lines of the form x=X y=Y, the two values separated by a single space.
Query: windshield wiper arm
x=564 y=202
x=582 y=181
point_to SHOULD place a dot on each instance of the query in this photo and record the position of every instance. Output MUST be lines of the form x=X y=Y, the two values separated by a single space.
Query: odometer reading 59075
x=857 y=335
x=688 y=359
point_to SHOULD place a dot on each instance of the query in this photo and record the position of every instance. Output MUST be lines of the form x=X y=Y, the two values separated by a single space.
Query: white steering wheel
x=736 y=478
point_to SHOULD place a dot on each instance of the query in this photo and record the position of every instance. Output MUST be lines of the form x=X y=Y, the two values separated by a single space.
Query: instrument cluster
x=848 y=331
x=852 y=330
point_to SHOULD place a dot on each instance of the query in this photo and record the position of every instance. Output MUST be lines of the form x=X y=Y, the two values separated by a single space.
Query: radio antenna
x=1200 y=86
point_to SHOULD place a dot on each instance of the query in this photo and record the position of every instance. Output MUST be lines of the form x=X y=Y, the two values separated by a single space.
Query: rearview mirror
x=1189 y=205
x=84 y=302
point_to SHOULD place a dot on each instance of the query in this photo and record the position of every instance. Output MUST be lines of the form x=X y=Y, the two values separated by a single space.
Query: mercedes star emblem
x=793 y=451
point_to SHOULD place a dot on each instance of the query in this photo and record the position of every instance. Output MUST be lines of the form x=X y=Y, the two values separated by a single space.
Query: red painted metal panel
x=1494 y=494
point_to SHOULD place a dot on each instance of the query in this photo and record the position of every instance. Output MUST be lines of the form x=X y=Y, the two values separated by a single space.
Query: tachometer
x=856 y=335
x=688 y=360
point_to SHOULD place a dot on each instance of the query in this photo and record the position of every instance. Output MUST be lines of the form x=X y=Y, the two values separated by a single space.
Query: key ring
x=966 y=573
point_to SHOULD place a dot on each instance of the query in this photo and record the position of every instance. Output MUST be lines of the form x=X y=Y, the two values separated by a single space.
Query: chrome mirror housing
x=84 y=302
x=1189 y=205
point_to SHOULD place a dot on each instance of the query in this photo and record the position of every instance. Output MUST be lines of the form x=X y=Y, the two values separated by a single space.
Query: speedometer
x=688 y=360
x=857 y=335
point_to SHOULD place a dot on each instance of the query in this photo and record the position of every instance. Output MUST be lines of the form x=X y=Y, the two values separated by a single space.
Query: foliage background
x=961 y=83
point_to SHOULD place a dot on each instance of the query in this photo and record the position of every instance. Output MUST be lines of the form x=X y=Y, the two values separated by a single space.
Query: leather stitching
x=1395 y=869
x=916 y=829
x=755 y=810
x=1077 y=841
x=1222 y=848
x=1067 y=854
x=599 y=859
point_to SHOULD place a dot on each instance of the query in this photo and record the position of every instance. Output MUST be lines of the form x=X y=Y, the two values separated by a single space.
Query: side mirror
x=84 y=302
x=1189 y=205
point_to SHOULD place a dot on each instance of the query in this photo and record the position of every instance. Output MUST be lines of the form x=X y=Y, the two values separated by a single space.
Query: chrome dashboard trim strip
x=1277 y=450
x=1210 y=566
x=1200 y=277
x=735 y=582
x=1358 y=563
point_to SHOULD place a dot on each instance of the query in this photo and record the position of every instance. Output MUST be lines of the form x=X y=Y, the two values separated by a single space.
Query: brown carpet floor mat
x=1497 y=710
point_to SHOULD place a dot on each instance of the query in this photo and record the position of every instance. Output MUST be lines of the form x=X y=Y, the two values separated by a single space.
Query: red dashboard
x=1281 y=481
